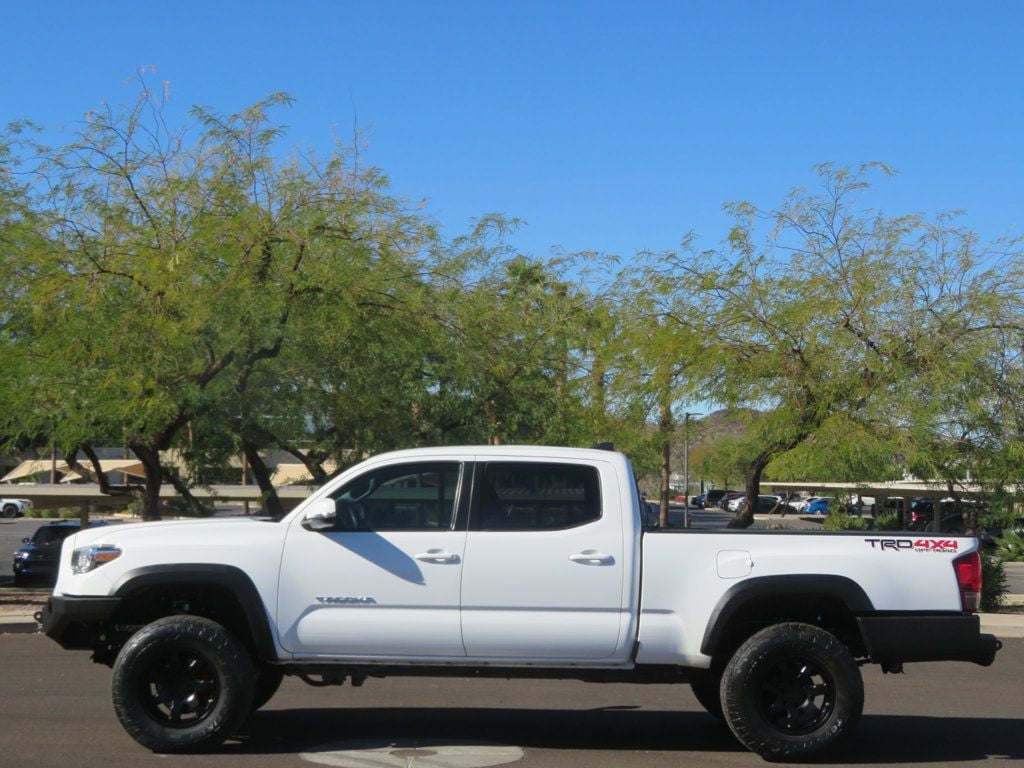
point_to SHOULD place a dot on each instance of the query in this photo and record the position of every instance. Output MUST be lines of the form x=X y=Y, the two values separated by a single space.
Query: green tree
x=165 y=268
x=826 y=319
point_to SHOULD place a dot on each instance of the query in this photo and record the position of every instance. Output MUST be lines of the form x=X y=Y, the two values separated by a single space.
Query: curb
x=18 y=628
x=20 y=623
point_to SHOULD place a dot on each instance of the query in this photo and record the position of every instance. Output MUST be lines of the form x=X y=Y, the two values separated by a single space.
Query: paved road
x=1015 y=578
x=55 y=711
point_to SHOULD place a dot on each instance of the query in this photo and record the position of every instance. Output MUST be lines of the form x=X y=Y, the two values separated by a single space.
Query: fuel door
x=734 y=564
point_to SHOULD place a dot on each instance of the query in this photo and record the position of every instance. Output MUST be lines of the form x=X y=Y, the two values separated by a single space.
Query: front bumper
x=74 y=621
x=29 y=567
x=899 y=638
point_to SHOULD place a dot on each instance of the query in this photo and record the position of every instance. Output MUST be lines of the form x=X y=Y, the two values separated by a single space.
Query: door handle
x=592 y=557
x=437 y=556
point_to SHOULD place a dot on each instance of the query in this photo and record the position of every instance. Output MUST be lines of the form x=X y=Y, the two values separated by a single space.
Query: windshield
x=53 y=534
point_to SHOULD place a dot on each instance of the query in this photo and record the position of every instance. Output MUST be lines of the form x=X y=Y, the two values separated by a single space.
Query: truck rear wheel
x=791 y=691
x=182 y=683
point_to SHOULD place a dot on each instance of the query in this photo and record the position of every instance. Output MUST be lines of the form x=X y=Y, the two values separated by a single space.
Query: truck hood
x=241 y=542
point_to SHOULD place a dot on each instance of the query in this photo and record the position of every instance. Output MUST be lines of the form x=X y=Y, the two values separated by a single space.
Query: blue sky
x=612 y=127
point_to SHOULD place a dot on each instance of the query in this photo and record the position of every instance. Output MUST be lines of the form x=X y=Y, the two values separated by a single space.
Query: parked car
x=713 y=498
x=39 y=557
x=765 y=503
x=699 y=500
x=922 y=510
x=791 y=498
x=819 y=505
x=801 y=506
x=768 y=502
x=723 y=503
x=14 y=507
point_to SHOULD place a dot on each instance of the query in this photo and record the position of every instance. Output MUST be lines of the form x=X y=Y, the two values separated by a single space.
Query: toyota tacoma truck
x=507 y=562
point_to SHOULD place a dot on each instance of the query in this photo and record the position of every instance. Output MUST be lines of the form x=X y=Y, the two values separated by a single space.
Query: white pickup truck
x=506 y=562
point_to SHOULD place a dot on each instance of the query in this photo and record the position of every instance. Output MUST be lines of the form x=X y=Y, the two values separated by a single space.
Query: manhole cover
x=412 y=754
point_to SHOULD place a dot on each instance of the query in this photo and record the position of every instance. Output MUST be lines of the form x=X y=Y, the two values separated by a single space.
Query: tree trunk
x=597 y=374
x=665 y=435
x=260 y=471
x=752 y=487
x=150 y=459
x=199 y=507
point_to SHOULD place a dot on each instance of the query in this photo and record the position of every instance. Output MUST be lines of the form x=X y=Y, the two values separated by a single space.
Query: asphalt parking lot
x=55 y=710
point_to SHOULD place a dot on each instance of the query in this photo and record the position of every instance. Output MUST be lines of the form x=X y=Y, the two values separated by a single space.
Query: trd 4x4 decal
x=916 y=545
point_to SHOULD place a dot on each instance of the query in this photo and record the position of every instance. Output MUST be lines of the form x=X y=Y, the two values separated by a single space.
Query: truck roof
x=504 y=452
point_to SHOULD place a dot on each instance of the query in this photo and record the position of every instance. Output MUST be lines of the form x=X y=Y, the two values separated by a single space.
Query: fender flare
x=234 y=579
x=741 y=594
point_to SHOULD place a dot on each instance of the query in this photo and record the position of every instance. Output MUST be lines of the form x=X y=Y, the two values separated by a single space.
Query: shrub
x=840 y=520
x=888 y=521
x=1010 y=548
x=993 y=582
x=774 y=527
x=64 y=513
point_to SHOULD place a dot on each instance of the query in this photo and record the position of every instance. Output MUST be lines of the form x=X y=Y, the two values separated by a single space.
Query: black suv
x=40 y=556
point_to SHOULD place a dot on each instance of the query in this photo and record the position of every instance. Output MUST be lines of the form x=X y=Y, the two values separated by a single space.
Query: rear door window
x=536 y=496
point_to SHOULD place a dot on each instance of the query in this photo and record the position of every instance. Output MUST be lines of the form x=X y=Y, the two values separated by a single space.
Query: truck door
x=385 y=580
x=546 y=569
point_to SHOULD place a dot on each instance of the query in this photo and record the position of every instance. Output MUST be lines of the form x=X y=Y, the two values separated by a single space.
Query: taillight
x=968 y=578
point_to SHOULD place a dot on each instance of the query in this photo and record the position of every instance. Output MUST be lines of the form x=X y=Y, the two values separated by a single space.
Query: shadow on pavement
x=878 y=739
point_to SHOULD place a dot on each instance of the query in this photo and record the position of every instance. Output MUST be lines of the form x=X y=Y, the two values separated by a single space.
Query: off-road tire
x=182 y=684
x=792 y=691
x=707 y=691
x=10 y=510
x=268 y=680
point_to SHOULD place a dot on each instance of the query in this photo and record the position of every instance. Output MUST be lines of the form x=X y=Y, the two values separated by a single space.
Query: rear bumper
x=72 y=621
x=899 y=638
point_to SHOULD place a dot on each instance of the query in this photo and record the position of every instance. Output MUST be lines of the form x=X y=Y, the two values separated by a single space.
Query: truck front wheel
x=707 y=693
x=182 y=683
x=792 y=690
x=268 y=680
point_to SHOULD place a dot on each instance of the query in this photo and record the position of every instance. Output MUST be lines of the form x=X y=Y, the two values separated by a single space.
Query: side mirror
x=320 y=516
x=26 y=540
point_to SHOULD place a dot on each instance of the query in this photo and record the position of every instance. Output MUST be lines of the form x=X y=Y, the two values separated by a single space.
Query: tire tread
x=234 y=667
x=760 y=737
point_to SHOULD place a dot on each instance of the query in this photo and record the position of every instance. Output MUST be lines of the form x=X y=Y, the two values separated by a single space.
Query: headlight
x=87 y=559
x=21 y=555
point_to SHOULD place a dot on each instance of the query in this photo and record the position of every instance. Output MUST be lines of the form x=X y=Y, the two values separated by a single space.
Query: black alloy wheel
x=791 y=691
x=179 y=688
x=795 y=695
x=182 y=683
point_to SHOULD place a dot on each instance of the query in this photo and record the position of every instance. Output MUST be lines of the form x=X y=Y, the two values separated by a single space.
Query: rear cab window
x=535 y=496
